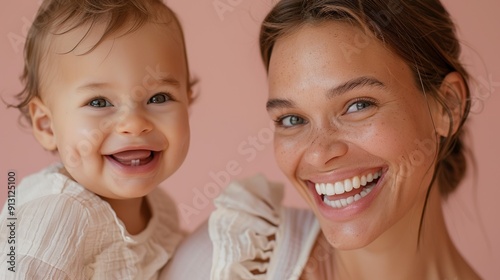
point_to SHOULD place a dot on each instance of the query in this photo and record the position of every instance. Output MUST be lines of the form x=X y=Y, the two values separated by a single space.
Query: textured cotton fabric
x=250 y=235
x=254 y=237
x=64 y=231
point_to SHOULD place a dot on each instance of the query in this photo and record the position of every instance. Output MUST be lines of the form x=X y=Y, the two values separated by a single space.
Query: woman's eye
x=359 y=105
x=159 y=98
x=290 y=121
x=99 y=103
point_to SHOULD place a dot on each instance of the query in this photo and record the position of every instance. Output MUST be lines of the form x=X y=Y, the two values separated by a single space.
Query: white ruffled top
x=255 y=237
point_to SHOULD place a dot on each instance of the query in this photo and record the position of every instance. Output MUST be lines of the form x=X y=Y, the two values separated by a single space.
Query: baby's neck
x=134 y=213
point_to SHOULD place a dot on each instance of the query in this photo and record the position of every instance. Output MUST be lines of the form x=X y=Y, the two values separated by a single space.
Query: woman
x=369 y=100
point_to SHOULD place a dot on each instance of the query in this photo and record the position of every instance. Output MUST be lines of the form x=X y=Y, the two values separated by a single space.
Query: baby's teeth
x=356 y=183
x=135 y=162
x=339 y=188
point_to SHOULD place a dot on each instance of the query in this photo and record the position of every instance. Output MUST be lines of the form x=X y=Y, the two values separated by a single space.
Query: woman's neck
x=404 y=253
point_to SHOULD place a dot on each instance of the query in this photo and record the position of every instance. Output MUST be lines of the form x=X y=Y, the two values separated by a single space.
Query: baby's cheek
x=73 y=150
x=70 y=157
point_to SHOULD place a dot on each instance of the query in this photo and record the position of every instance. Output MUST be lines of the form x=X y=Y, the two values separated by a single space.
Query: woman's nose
x=134 y=122
x=324 y=148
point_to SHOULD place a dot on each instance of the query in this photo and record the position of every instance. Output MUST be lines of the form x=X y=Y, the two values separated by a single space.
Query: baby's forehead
x=154 y=43
x=87 y=37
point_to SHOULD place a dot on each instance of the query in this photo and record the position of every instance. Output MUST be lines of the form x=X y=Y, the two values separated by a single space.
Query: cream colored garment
x=254 y=237
x=64 y=231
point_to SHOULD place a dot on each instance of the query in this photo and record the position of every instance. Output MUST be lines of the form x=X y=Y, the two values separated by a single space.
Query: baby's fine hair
x=58 y=17
x=420 y=32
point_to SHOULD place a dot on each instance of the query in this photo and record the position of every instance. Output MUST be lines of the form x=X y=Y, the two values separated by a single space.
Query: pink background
x=230 y=125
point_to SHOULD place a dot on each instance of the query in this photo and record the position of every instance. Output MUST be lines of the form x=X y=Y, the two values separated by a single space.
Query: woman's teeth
x=345 y=186
x=343 y=202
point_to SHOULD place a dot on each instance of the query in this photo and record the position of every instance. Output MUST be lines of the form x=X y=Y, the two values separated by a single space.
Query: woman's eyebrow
x=338 y=90
x=354 y=83
x=279 y=103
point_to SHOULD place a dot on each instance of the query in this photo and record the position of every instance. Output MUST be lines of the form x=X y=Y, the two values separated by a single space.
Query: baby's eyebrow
x=169 y=81
x=92 y=86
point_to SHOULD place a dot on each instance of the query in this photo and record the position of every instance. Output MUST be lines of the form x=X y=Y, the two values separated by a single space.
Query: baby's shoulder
x=53 y=202
x=48 y=188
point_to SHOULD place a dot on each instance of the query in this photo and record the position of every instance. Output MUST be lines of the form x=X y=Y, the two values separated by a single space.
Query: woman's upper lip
x=341 y=175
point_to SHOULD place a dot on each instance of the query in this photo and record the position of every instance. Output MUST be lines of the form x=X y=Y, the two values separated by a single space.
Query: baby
x=107 y=88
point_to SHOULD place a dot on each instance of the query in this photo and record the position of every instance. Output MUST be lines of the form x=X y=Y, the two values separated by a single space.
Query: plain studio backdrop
x=232 y=134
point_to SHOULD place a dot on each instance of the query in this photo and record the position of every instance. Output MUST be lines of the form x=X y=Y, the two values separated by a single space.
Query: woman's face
x=353 y=132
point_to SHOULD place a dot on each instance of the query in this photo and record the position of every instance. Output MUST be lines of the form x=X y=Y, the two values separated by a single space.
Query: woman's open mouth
x=343 y=193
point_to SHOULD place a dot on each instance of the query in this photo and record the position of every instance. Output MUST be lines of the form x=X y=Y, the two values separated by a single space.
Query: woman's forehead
x=332 y=52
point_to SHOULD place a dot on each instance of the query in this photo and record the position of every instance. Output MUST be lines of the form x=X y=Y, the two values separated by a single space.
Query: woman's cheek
x=287 y=151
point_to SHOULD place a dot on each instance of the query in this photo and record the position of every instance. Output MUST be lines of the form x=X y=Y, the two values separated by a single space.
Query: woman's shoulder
x=250 y=235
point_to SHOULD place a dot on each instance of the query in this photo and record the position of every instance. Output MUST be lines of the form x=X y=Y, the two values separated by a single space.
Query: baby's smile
x=133 y=157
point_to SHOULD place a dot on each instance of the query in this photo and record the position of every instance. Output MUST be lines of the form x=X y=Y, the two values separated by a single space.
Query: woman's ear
x=453 y=94
x=41 y=121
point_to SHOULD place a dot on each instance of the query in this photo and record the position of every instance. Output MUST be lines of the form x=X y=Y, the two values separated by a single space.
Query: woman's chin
x=347 y=238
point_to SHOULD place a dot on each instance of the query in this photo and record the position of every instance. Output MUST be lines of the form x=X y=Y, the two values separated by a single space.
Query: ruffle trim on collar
x=244 y=229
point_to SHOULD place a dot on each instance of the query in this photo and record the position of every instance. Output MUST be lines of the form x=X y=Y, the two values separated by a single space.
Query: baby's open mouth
x=134 y=157
x=343 y=193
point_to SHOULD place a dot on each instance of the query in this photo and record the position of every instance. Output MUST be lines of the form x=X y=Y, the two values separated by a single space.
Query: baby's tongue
x=131 y=155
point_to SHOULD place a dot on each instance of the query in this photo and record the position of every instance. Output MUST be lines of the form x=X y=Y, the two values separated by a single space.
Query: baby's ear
x=453 y=93
x=41 y=121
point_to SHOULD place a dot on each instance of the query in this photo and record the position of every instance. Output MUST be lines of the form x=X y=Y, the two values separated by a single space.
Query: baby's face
x=118 y=115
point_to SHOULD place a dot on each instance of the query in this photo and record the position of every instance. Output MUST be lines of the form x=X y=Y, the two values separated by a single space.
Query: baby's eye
x=99 y=103
x=359 y=105
x=159 y=98
x=290 y=121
